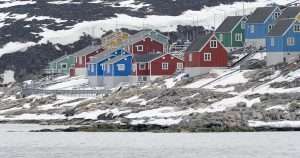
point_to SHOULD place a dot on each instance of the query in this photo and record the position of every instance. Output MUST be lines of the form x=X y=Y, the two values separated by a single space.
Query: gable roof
x=290 y=12
x=198 y=43
x=261 y=14
x=280 y=27
x=229 y=23
x=146 y=33
x=87 y=50
x=116 y=59
x=58 y=59
x=144 y=58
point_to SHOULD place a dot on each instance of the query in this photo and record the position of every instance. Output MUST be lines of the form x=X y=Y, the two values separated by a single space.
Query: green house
x=61 y=65
x=231 y=32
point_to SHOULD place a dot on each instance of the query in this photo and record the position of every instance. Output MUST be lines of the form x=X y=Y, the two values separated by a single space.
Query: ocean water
x=16 y=142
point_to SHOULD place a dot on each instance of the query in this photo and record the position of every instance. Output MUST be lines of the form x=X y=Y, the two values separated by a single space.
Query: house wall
x=238 y=29
x=149 y=45
x=219 y=57
x=156 y=65
x=85 y=59
x=140 y=72
x=226 y=38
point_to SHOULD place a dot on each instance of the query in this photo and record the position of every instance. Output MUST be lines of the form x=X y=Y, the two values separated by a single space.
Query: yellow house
x=114 y=39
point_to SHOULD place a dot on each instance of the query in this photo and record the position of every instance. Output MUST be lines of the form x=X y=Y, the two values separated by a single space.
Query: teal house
x=61 y=65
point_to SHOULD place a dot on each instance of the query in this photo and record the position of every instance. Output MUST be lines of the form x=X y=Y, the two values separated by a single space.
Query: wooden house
x=204 y=54
x=61 y=65
x=231 y=32
x=259 y=23
x=114 y=39
x=82 y=57
x=149 y=66
x=99 y=67
x=283 y=42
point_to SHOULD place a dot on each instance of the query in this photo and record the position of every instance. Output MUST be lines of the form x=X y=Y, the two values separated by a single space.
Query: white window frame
x=221 y=37
x=164 y=66
x=121 y=67
x=133 y=67
x=142 y=68
x=243 y=24
x=93 y=67
x=238 y=36
x=61 y=65
x=207 y=56
x=272 y=41
x=190 y=57
x=270 y=27
x=79 y=60
x=290 y=41
x=213 y=44
x=276 y=15
x=107 y=68
x=139 y=48
x=297 y=28
x=252 y=28
x=179 y=66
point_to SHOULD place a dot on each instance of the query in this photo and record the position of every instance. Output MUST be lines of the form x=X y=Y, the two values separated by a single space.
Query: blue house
x=259 y=23
x=283 y=42
x=117 y=71
x=99 y=67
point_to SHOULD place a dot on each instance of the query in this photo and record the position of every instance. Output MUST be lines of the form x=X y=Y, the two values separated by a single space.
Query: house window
x=221 y=37
x=133 y=67
x=179 y=66
x=142 y=66
x=252 y=28
x=276 y=15
x=190 y=57
x=121 y=67
x=238 y=36
x=63 y=65
x=290 y=41
x=79 y=60
x=92 y=67
x=272 y=42
x=270 y=28
x=165 y=66
x=140 y=48
x=207 y=56
x=297 y=28
x=107 y=68
x=213 y=44
x=243 y=24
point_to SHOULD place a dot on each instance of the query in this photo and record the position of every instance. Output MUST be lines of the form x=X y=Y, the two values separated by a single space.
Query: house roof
x=198 y=43
x=87 y=50
x=104 y=54
x=144 y=58
x=290 y=12
x=229 y=23
x=280 y=27
x=116 y=59
x=58 y=59
x=260 y=14
x=146 y=33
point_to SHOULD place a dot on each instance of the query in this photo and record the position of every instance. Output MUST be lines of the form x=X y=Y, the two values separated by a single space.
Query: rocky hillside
x=223 y=100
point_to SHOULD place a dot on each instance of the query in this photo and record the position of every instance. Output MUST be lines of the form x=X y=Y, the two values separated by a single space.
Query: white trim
x=139 y=46
x=212 y=42
x=145 y=65
x=207 y=56
x=165 y=66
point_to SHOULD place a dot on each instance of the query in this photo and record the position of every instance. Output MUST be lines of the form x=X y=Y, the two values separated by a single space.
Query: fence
x=80 y=93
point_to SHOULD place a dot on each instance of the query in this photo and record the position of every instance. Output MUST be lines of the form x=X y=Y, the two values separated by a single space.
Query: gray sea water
x=15 y=142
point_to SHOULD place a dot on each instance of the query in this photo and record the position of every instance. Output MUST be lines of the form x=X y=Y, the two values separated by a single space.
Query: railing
x=30 y=91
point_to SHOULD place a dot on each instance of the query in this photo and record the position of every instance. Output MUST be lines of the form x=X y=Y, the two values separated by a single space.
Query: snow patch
x=12 y=47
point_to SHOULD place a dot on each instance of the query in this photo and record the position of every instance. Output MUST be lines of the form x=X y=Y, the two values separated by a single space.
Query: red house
x=147 y=41
x=204 y=54
x=82 y=57
x=150 y=66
